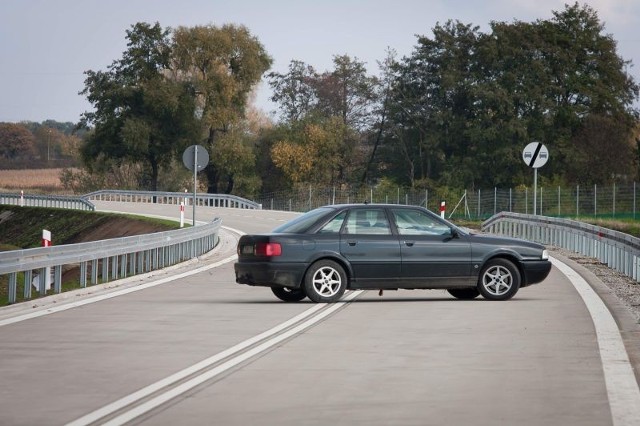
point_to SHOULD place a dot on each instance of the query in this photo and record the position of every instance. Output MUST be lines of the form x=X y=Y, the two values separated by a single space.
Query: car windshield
x=302 y=223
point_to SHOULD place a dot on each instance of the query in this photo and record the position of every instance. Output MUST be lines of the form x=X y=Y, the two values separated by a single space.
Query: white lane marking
x=172 y=393
x=622 y=388
x=117 y=293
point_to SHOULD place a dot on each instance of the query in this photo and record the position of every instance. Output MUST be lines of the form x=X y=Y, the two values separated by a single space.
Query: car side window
x=334 y=225
x=367 y=222
x=415 y=222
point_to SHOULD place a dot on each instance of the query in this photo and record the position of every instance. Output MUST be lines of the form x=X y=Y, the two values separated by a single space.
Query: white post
x=195 y=182
x=182 y=214
x=21 y=198
x=535 y=190
x=443 y=208
x=46 y=242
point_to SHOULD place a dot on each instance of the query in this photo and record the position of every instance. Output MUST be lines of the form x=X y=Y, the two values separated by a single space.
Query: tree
x=141 y=115
x=294 y=92
x=331 y=111
x=222 y=64
x=464 y=104
x=347 y=92
x=16 y=142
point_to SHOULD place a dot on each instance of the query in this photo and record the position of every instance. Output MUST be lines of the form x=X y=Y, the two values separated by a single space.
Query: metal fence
x=593 y=201
x=618 y=250
x=105 y=260
x=159 y=197
x=53 y=201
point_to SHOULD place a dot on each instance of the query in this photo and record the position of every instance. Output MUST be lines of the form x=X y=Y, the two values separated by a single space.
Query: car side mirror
x=454 y=233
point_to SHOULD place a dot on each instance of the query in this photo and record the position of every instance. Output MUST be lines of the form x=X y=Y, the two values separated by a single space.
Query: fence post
x=614 y=199
x=495 y=200
x=478 y=204
x=510 y=202
x=526 y=201
x=558 y=200
x=578 y=201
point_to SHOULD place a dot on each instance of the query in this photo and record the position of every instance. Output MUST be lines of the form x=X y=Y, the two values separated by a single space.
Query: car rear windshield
x=302 y=223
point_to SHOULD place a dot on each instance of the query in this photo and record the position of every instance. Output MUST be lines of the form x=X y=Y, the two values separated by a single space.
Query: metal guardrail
x=53 y=201
x=206 y=200
x=101 y=261
x=618 y=250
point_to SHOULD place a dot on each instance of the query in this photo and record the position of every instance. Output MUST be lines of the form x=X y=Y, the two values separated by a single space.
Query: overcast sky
x=46 y=45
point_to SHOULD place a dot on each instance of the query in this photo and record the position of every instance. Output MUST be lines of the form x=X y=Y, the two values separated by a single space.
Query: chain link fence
x=614 y=201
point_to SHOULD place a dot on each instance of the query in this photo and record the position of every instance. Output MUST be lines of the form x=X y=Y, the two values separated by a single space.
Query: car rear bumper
x=535 y=271
x=268 y=274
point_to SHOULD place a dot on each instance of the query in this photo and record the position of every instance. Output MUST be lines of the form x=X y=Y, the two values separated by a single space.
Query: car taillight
x=268 y=249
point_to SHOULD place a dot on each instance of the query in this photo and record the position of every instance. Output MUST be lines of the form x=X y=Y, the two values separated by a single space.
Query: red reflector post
x=268 y=249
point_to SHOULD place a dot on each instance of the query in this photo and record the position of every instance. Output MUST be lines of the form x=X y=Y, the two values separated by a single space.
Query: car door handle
x=352 y=243
x=409 y=243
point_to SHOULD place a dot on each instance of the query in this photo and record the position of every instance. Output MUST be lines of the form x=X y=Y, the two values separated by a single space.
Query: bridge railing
x=53 y=201
x=616 y=249
x=105 y=260
x=158 y=197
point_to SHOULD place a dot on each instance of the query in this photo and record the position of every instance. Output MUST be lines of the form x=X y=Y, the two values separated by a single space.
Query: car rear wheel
x=464 y=293
x=325 y=281
x=499 y=280
x=289 y=294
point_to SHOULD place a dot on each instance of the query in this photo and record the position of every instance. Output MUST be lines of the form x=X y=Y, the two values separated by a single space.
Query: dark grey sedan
x=326 y=251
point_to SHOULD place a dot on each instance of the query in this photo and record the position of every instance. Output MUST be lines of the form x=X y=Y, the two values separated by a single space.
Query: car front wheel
x=499 y=280
x=325 y=281
x=289 y=294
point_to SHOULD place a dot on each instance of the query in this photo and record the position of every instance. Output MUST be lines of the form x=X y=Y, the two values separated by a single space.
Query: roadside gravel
x=626 y=290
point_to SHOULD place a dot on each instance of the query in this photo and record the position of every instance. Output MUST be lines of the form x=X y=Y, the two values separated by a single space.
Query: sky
x=47 y=45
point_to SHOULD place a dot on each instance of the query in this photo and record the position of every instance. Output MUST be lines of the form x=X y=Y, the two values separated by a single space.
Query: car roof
x=350 y=205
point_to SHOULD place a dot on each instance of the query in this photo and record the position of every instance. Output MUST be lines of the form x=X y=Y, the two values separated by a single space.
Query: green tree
x=464 y=103
x=223 y=64
x=141 y=114
x=294 y=92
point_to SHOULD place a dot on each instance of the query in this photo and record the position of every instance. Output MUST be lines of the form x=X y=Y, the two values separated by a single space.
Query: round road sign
x=535 y=155
x=189 y=157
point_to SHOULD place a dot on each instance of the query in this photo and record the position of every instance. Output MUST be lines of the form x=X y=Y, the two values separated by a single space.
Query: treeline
x=459 y=110
x=49 y=144
x=456 y=112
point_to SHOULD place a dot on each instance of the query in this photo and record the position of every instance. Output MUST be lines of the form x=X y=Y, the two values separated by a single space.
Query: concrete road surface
x=195 y=348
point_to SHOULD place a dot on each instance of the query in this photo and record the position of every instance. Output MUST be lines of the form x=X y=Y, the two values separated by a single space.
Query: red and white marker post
x=46 y=242
x=181 y=214
x=443 y=208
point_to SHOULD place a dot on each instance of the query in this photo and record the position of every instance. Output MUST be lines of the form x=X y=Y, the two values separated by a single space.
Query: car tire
x=499 y=280
x=464 y=293
x=289 y=294
x=325 y=281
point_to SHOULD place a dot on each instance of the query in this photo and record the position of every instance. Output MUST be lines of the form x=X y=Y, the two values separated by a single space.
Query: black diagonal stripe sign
x=535 y=154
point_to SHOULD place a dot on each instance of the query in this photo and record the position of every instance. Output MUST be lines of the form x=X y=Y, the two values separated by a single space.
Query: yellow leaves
x=295 y=161
x=315 y=153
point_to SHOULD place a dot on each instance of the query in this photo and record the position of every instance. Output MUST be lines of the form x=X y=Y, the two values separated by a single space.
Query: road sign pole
x=195 y=183
x=535 y=191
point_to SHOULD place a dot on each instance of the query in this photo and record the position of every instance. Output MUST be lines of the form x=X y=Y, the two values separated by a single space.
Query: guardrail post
x=28 y=278
x=94 y=272
x=13 y=287
x=57 y=279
